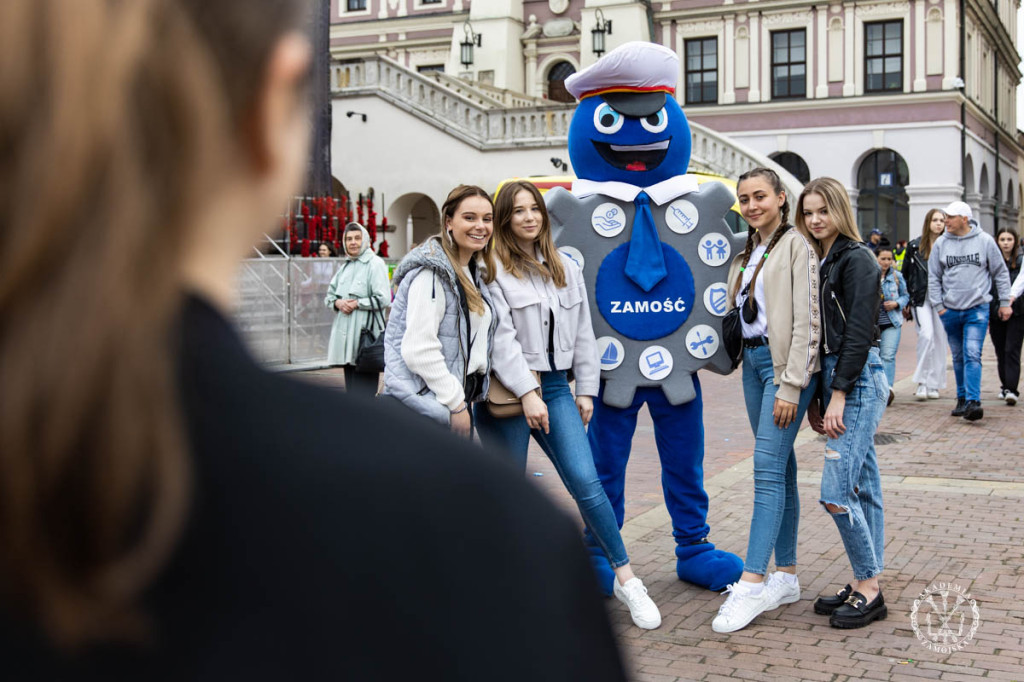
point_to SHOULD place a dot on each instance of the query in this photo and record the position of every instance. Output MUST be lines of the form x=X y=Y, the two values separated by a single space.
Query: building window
x=883 y=56
x=882 y=202
x=430 y=2
x=355 y=5
x=556 y=82
x=789 y=64
x=430 y=68
x=794 y=163
x=702 y=71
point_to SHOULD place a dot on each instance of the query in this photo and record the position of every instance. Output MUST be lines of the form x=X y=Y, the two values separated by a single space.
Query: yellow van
x=545 y=182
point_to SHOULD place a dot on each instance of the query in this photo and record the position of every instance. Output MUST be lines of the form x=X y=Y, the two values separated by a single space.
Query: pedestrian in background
x=890 y=314
x=965 y=262
x=930 y=372
x=1008 y=335
x=169 y=510
x=854 y=397
x=437 y=348
x=774 y=282
x=359 y=293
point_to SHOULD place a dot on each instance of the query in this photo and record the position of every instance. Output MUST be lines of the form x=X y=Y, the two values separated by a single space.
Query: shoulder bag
x=501 y=402
x=370 y=353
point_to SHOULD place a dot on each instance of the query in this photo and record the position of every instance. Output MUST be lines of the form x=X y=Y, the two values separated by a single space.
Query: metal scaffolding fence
x=281 y=311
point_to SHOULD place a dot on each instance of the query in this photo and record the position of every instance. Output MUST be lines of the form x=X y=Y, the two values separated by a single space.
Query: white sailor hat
x=633 y=78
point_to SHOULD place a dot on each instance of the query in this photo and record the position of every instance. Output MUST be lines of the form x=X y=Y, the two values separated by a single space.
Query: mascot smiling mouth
x=633 y=157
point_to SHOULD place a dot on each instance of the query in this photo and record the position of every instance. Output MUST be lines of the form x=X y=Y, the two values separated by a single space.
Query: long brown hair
x=776 y=184
x=512 y=256
x=927 y=236
x=115 y=121
x=837 y=201
x=474 y=299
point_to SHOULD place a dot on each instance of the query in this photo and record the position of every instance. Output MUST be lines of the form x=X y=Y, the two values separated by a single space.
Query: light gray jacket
x=524 y=308
x=399 y=380
x=961 y=271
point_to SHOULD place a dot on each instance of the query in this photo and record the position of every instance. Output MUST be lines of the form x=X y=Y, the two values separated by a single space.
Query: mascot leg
x=679 y=433
x=611 y=439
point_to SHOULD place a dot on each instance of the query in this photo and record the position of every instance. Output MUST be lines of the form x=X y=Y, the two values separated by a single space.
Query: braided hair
x=776 y=184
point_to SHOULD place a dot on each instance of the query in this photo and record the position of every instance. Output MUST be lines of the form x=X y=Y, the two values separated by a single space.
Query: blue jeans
x=568 y=449
x=850 y=479
x=965 y=331
x=888 y=346
x=776 y=517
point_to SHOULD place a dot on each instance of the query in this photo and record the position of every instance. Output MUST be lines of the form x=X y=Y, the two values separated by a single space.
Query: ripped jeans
x=850 y=478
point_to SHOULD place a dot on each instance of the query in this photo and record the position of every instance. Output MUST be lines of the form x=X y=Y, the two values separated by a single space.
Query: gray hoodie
x=961 y=271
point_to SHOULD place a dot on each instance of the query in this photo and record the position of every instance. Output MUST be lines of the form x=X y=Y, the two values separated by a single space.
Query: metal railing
x=281 y=312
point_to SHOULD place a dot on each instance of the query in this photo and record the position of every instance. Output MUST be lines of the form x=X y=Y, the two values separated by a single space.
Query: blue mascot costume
x=655 y=250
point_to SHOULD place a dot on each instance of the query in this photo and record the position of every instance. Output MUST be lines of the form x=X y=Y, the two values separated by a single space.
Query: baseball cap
x=959 y=208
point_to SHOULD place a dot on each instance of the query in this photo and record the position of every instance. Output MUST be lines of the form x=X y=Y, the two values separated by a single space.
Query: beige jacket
x=794 y=319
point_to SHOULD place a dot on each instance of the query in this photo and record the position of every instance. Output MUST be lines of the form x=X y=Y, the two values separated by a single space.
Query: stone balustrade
x=486 y=122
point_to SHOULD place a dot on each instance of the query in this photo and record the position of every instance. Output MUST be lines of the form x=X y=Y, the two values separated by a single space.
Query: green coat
x=358 y=278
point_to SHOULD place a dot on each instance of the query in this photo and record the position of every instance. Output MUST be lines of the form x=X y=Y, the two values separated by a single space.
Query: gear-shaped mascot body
x=655 y=250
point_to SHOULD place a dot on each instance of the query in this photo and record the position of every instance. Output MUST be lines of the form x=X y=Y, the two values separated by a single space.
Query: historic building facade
x=911 y=103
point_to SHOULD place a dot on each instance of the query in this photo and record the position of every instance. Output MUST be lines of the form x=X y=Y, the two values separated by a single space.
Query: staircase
x=494 y=119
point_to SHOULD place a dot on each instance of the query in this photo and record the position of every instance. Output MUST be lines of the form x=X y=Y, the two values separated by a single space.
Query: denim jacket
x=894 y=288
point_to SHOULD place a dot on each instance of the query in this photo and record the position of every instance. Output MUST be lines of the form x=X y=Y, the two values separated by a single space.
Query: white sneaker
x=741 y=607
x=781 y=590
x=1002 y=394
x=922 y=392
x=933 y=394
x=642 y=608
x=1011 y=398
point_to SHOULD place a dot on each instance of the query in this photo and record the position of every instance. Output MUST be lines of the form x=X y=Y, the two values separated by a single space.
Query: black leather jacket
x=851 y=292
x=915 y=272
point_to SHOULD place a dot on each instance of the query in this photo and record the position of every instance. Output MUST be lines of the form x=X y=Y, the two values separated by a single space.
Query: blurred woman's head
x=325 y=250
x=154 y=140
x=522 y=228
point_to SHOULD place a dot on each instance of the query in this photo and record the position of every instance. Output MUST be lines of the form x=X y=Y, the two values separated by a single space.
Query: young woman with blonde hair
x=930 y=373
x=855 y=392
x=774 y=282
x=544 y=326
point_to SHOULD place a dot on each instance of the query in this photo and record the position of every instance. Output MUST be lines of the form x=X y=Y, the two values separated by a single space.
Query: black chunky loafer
x=824 y=606
x=858 y=612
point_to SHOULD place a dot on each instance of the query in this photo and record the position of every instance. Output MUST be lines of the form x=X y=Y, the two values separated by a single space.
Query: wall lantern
x=597 y=33
x=466 y=52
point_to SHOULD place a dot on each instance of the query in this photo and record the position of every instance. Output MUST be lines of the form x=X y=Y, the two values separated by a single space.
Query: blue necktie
x=645 y=264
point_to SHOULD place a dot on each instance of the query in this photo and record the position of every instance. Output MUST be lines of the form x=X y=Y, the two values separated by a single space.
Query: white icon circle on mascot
x=716 y=299
x=656 y=363
x=714 y=249
x=573 y=254
x=681 y=216
x=611 y=352
x=702 y=341
x=608 y=219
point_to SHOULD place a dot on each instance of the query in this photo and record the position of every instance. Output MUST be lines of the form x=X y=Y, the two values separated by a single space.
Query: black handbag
x=370 y=354
x=732 y=336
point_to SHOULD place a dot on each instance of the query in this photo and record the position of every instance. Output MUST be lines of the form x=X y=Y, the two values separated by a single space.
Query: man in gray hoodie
x=963 y=264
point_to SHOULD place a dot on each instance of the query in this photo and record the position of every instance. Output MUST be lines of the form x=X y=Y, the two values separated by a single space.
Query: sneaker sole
x=881 y=614
x=1011 y=401
x=642 y=624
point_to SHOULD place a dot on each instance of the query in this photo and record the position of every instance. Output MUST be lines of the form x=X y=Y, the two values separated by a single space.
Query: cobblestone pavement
x=953 y=494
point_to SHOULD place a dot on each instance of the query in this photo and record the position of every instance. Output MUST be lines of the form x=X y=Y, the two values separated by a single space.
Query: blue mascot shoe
x=602 y=570
x=703 y=565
